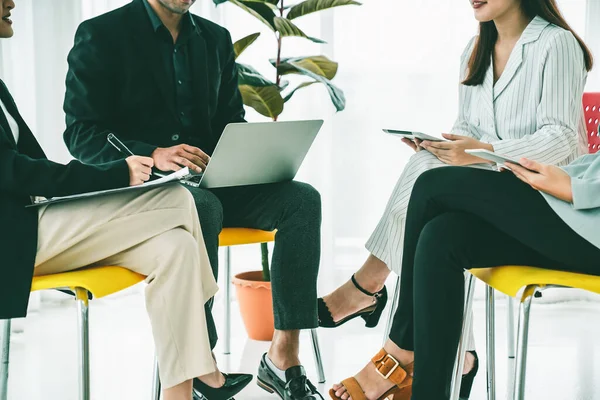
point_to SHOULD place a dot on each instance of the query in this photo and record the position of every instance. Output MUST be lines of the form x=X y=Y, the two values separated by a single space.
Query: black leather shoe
x=296 y=387
x=234 y=383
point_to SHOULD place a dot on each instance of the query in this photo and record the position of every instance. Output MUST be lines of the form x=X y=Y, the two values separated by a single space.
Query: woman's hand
x=453 y=152
x=414 y=144
x=140 y=169
x=546 y=178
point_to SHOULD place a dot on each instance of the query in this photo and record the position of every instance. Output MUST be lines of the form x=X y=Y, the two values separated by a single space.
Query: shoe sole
x=267 y=388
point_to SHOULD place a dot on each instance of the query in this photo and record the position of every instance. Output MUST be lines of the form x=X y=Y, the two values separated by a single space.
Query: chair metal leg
x=5 y=357
x=227 y=300
x=462 y=347
x=510 y=327
x=317 y=353
x=155 y=381
x=490 y=328
x=523 y=336
x=393 y=307
x=81 y=296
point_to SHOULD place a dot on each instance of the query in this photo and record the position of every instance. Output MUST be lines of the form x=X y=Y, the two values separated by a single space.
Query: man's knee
x=305 y=199
x=210 y=209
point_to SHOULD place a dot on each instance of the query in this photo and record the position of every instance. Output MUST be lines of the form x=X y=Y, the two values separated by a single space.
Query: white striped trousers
x=387 y=241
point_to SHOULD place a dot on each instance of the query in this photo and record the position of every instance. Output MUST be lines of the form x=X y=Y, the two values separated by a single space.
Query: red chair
x=591 y=111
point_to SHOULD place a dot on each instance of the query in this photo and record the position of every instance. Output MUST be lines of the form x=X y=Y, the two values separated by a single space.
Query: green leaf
x=242 y=44
x=320 y=65
x=271 y=2
x=259 y=10
x=265 y=100
x=286 y=28
x=247 y=75
x=336 y=94
x=301 y=86
x=311 y=6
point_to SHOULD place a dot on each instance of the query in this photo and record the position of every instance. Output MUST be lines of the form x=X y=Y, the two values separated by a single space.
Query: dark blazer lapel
x=199 y=59
x=27 y=142
x=8 y=102
x=6 y=129
x=146 y=44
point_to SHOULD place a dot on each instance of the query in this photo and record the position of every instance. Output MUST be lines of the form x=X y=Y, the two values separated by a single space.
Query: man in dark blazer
x=165 y=82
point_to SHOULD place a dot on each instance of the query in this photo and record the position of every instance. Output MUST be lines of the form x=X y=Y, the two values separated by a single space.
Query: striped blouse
x=534 y=110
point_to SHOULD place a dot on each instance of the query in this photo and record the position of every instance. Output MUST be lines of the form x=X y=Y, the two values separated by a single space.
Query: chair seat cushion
x=510 y=279
x=100 y=281
x=239 y=236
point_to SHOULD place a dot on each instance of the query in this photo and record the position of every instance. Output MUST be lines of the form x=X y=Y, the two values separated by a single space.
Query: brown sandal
x=389 y=368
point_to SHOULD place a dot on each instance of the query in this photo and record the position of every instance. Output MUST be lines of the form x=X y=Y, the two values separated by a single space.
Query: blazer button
x=175 y=137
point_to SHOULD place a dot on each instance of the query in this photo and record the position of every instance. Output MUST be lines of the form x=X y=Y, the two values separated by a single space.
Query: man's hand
x=176 y=157
x=414 y=144
x=453 y=152
x=546 y=178
x=140 y=169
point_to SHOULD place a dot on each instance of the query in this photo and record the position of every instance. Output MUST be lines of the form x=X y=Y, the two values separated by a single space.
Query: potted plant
x=269 y=98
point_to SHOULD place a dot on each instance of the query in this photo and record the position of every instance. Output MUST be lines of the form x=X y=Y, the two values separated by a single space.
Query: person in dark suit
x=66 y=236
x=165 y=81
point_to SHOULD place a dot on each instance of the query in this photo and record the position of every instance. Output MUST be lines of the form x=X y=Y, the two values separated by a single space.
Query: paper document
x=174 y=177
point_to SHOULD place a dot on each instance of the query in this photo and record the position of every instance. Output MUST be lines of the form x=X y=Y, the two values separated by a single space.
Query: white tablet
x=495 y=157
x=414 y=135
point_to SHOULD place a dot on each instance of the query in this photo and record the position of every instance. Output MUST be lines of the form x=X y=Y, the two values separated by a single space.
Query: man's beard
x=173 y=8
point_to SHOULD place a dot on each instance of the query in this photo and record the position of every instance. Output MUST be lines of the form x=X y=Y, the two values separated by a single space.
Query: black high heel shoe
x=467 y=379
x=234 y=383
x=370 y=314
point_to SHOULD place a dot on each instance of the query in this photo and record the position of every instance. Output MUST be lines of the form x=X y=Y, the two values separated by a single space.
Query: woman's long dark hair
x=488 y=35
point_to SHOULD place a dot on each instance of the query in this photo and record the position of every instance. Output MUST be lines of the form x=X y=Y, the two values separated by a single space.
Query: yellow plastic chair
x=239 y=236
x=97 y=282
x=510 y=280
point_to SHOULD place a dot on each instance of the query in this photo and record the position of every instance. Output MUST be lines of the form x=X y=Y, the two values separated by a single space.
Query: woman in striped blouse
x=522 y=80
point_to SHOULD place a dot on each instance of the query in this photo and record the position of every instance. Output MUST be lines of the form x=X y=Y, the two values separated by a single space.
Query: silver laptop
x=258 y=153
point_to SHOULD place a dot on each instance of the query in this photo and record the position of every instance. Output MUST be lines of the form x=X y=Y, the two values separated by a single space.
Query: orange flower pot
x=256 y=304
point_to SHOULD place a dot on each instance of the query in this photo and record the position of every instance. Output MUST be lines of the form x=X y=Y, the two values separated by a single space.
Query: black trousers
x=294 y=209
x=463 y=218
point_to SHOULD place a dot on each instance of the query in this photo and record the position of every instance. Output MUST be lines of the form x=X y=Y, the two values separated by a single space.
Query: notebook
x=177 y=176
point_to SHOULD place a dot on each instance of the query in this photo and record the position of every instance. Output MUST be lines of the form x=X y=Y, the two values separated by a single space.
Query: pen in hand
x=117 y=144
x=112 y=139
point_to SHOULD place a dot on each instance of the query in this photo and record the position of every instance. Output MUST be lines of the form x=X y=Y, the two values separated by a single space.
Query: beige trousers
x=155 y=233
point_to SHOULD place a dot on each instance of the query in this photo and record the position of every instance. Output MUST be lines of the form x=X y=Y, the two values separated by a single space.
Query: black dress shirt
x=177 y=64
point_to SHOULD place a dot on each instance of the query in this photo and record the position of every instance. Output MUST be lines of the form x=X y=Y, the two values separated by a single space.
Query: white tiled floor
x=563 y=359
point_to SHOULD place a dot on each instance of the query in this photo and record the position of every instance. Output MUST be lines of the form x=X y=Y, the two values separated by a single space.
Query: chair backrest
x=591 y=112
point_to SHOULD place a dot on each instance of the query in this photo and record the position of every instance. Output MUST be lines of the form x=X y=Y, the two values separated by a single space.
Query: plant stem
x=279 y=42
x=266 y=272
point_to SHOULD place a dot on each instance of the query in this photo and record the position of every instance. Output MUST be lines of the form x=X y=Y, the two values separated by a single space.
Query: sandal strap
x=389 y=368
x=354 y=390
x=365 y=291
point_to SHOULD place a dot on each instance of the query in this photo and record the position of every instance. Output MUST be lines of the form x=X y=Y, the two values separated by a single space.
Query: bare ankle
x=285 y=349
x=373 y=274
